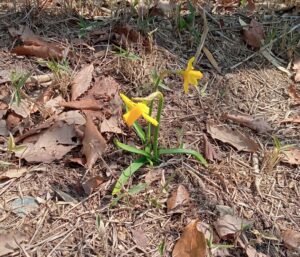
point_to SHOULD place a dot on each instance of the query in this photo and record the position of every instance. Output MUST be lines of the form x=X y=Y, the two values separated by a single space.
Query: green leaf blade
x=127 y=173
x=132 y=149
x=197 y=155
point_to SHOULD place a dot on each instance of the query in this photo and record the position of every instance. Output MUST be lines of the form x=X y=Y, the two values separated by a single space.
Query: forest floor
x=244 y=119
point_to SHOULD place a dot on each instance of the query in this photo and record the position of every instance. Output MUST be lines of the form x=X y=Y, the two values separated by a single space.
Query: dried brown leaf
x=13 y=120
x=192 y=243
x=140 y=238
x=128 y=36
x=13 y=173
x=229 y=225
x=178 y=198
x=291 y=239
x=83 y=104
x=296 y=67
x=72 y=117
x=294 y=94
x=82 y=81
x=292 y=155
x=250 y=251
x=254 y=35
x=3 y=128
x=44 y=50
x=256 y=123
x=52 y=144
x=209 y=151
x=111 y=125
x=91 y=184
x=4 y=76
x=232 y=137
x=9 y=242
x=93 y=143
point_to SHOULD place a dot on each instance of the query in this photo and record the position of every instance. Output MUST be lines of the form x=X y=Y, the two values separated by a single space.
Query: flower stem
x=156 y=129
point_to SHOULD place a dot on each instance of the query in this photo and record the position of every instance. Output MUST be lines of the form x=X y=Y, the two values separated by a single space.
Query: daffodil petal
x=195 y=73
x=193 y=81
x=131 y=116
x=143 y=107
x=190 y=64
x=186 y=86
x=130 y=104
x=150 y=119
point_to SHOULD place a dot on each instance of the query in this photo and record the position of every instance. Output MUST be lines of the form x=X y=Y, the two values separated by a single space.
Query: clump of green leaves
x=18 y=80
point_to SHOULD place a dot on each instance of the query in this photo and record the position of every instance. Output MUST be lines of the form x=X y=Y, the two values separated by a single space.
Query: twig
x=203 y=38
x=265 y=47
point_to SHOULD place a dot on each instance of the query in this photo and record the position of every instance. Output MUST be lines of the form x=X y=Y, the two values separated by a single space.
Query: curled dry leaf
x=83 y=104
x=140 y=238
x=229 y=225
x=82 y=81
x=35 y=45
x=292 y=155
x=294 y=94
x=51 y=145
x=178 y=198
x=232 y=137
x=91 y=184
x=9 y=241
x=13 y=120
x=93 y=143
x=256 y=123
x=192 y=243
x=209 y=151
x=254 y=34
x=291 y=239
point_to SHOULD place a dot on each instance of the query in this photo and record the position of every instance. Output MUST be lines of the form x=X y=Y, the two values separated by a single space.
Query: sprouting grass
x=18 y=80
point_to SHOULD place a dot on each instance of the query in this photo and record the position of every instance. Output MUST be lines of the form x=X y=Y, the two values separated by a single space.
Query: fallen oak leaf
x=178 y=198
x=192 y=243
x=83 y=104
x=232 y=137
x=81 y=81
x=256 y=123
x=93 y=143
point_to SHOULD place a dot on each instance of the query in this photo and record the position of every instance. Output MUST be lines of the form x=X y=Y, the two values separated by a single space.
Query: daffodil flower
x=190 y=76
x=135 y=111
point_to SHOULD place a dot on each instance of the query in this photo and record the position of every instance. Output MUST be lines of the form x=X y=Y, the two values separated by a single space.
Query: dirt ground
x=252 y=185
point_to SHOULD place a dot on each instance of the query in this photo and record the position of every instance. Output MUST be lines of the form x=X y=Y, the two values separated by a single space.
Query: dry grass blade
x=203 y=38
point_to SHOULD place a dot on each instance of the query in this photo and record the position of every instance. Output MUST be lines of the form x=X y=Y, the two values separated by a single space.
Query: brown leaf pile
x=254 y=35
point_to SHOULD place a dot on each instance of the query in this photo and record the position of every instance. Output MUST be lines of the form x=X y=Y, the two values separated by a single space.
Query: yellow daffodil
x=135 y=111
x=190 y=75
